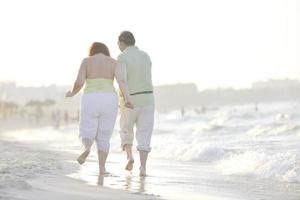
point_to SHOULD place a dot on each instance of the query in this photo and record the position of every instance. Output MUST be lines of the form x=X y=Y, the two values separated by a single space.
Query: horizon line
x=156 y=85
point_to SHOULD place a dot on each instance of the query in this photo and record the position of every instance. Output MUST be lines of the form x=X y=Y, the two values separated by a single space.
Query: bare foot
x=142 y=172
x=105 y=173
x=81 y=159
x=129 y=165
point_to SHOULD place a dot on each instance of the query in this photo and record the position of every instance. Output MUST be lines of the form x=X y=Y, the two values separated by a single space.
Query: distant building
x=167 y=97
x=171 y=96
x=9 y=91
x=276 y=84
x=9 y=85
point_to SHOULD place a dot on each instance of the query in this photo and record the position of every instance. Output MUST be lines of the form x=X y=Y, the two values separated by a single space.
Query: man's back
x=139 y=77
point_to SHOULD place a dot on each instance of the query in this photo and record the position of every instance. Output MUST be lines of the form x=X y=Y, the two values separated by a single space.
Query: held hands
x=69 y=94
x=129 y=104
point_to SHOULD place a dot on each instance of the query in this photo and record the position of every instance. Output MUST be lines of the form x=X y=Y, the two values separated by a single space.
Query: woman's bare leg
x=102 y=156
x=87 y=144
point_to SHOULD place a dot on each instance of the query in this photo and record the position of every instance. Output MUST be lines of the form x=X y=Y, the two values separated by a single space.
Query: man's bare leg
x=87 y=143
x=143 y=160
x=128 y=149
x=102 y=155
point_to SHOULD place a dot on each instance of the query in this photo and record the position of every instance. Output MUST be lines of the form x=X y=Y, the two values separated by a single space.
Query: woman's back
x=100 y=66
x=99 y=73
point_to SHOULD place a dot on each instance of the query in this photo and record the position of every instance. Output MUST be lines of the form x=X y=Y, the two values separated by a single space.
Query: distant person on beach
x=182 y=111
x=99 y=103
x=66 y=117
x=256 y=107
x=56 y=116
x=137 y=67
x=39 y=113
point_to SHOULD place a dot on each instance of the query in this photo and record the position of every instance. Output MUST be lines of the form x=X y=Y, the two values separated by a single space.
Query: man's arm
x=120 y=74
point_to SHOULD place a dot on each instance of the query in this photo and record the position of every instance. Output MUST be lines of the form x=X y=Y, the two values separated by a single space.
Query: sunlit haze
x=213 y=43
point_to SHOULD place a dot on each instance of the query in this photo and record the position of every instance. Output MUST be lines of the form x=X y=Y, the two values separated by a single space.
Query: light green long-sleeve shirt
x=137 y=65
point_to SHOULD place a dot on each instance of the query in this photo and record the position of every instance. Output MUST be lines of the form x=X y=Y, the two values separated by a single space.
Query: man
x=137 y=65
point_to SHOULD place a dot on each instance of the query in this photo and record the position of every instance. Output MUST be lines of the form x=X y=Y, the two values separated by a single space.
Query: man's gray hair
x=127 y=37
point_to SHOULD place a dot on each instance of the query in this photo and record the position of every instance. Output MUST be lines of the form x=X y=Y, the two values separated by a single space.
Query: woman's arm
x=120 y=74
x=79 y=81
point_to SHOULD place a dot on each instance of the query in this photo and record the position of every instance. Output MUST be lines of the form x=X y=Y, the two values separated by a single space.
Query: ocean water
x=230 y=152
x=236 y=140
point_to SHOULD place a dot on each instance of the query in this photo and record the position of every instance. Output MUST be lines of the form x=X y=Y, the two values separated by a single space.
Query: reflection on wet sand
x=100 y=180
x=129 y=183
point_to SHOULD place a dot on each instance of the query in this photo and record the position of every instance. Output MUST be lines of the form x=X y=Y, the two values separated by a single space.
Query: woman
x=99 y=103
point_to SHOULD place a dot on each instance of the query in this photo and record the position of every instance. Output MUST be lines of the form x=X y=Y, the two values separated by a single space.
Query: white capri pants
x=143 y=119
x=97 y=118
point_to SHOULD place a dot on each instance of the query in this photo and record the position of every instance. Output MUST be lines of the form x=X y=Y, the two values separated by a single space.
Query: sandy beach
x=29 y=170
x=40 y=161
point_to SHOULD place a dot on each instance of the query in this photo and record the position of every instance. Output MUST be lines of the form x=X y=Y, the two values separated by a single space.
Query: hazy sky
x=215 y=43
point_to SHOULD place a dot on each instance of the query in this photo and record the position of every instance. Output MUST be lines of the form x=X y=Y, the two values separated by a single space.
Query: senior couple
x=99 y=103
